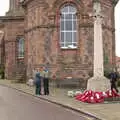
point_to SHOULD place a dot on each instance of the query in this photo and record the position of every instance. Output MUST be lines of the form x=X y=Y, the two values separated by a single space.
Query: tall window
x=20 y=41
x=68 y=27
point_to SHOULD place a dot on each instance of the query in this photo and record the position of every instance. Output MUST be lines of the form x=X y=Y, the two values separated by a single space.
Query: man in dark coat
x=38 y=84
x=113 y=79
x=45 y=81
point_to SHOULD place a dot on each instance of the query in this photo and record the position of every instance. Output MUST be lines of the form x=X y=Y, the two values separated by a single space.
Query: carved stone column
x=98 y=82
x=98 y=42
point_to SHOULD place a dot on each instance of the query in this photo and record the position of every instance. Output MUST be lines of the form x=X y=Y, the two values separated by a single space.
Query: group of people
x=41 y=80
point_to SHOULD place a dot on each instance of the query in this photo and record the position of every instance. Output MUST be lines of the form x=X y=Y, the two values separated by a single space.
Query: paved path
x=104 y=111
x=15 y=105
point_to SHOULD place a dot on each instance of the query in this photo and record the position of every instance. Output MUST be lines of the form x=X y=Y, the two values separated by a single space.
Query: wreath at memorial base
x=90 y=96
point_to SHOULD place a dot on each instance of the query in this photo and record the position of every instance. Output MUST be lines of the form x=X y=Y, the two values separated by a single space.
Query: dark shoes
x=38 y=94
x=46 y=94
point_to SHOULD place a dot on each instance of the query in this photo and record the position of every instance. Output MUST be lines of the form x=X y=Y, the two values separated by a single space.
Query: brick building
x=55 y=33
x=12 y=26
x=118 y=64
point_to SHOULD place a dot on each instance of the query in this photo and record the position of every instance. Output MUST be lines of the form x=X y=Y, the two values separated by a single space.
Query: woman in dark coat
x=38 y=83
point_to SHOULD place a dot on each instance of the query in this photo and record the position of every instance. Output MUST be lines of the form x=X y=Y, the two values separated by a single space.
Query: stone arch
x=58 y=4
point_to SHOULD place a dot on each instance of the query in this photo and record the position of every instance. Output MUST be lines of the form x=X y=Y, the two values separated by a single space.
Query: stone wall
x=108 y=33
x=42 y=38
x=43 y=41
x=15 y=8
x=14 y=26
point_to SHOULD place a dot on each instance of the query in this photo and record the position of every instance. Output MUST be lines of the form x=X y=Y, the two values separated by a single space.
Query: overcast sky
x=4 y=6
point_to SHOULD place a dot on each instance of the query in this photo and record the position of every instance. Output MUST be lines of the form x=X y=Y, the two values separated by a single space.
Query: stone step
x=20 y=76
x=112 y=99
x=20 y=73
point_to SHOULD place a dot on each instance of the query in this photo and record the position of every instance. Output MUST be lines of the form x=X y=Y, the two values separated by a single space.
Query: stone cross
x=98 y=82
x=98 y=42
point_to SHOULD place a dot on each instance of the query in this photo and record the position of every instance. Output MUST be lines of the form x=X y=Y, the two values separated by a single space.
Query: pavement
x=99 y=111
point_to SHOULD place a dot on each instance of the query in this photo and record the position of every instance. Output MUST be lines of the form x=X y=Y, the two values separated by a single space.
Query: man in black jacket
x=46 y=81
x=113 y=79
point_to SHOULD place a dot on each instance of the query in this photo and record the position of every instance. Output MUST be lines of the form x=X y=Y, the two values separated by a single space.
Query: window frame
x=22 y=49
x=73 y=29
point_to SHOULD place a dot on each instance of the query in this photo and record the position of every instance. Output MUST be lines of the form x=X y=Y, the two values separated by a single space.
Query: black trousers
x=38 y=90
x=113 y=86
x=46 y=86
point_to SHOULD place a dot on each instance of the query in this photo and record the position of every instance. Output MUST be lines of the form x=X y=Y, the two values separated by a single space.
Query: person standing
x=45 y=81
x=38 y=83
x=113 y=80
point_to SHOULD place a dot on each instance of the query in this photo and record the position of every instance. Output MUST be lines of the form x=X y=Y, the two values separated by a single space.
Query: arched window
x=68 y=27
x=20 y=41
